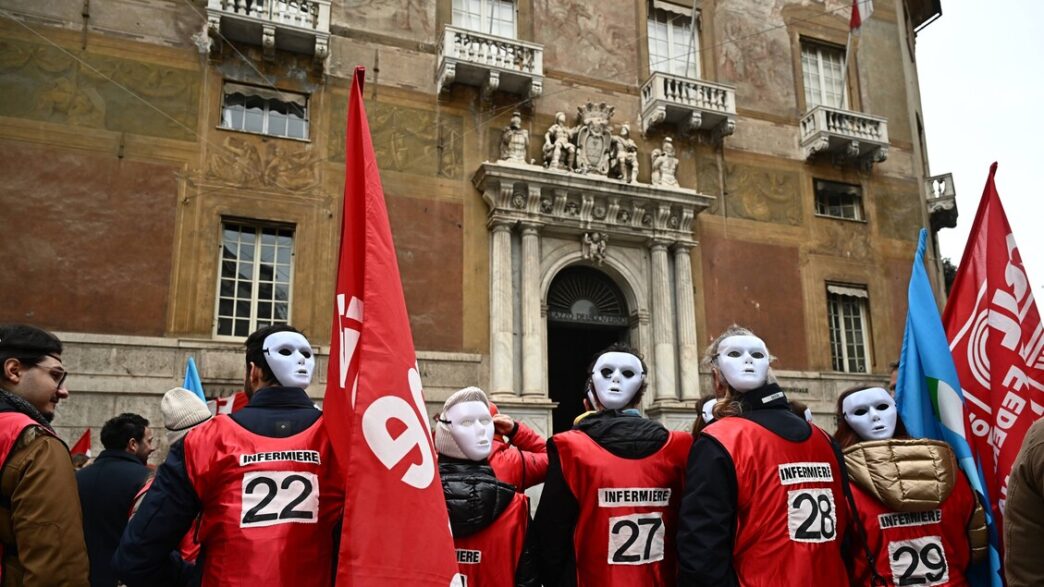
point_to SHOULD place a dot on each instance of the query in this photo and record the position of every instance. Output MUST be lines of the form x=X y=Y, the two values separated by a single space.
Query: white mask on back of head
x=743 y=360
x=871 y=413
x=471 y=426
x=616 y=378
x=708 y=410
x=290 y=358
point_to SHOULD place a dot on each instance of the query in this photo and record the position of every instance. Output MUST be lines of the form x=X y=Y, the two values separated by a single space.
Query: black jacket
x=147 y=552
x=623 y=433
x=707 y=519
x=107 y=490
x=475 y=498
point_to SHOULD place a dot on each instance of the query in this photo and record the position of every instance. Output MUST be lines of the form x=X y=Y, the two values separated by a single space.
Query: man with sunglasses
x=41 y=527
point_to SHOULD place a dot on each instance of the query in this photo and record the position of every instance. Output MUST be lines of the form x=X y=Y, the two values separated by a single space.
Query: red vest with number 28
x=791 y=510
x=270 y=505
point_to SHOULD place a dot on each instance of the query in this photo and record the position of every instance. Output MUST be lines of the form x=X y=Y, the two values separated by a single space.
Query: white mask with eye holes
x=617 y=377
x=708 y=410
x=871 y=413
x=471 y=426
x=290 y=358
x=743 y=361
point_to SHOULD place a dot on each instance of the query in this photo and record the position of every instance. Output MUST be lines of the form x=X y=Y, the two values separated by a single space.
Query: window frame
x=820 y=46
x=301 y=100
x=671 y=31
x=860 y=215
x=258 y=227
x=843 y=363
x=486 y=13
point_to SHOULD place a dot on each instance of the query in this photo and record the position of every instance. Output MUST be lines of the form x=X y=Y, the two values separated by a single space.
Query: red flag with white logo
x=83 y=445
x=396 y=529
x=997 y=343
x=861 y=10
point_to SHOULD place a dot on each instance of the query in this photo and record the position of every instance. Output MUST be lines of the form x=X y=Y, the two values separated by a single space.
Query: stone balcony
x=690 y=104
x=846 y=136
x=297 y=26
x=490 y=62
x=570 y=203
x=942 y=202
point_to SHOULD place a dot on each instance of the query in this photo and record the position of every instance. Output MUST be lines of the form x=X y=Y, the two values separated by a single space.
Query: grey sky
x=982 y=89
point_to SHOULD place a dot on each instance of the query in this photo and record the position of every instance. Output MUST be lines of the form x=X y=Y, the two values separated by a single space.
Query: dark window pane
x=242 y=310
x=225 y=308
x=268 y=236
x=243 y=289
x=264 y=291
x=282 y=293
x=225 y=326
x=282 y=311
x=264 y=310
x=267 y=253
x=242 y=327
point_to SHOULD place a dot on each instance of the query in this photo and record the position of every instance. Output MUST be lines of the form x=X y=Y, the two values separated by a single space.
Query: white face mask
x=708 y=410
x=290 y=357
x=617 y=377
x=471 y=426
x=743 y=361
x=871 y=413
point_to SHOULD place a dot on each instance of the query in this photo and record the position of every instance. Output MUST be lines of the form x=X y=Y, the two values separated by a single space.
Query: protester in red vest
x=608 y=511
x=41 y=525
x=919 y=520
x=488 y=517
x=522 y=459
x=265 y=480
x=763 y=504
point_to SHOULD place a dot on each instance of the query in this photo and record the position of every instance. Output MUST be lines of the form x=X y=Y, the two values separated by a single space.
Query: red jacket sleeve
x=522 y=463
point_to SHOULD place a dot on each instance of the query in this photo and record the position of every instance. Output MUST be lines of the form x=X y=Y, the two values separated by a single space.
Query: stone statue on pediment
x=594 y=246
x=593 y=139
x=559 y=150
x=514 y=141
x=665 y=165
x=624 y=156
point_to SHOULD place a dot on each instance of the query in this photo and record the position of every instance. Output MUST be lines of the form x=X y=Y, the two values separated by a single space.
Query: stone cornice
x=575 y=203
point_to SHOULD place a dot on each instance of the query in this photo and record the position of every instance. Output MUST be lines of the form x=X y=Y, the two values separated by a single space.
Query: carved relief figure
x=625 y=156
x=595 y=244
x=559 y=151
x=593 y=138
x=514 y=142
x=664 y=165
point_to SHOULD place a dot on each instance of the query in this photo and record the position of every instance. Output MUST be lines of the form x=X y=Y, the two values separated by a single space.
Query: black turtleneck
x=707 y=519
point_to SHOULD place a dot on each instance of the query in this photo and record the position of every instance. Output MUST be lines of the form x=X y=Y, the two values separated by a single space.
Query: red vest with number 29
x=270 y=505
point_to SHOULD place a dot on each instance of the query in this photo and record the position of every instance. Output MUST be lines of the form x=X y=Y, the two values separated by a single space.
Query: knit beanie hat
x=445 y=444
x=182 y=410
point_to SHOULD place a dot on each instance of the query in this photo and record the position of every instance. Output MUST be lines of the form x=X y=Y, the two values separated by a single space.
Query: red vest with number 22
x=270 y=505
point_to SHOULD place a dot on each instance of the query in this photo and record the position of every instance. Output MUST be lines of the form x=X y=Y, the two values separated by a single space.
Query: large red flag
x=396 y=529
x=83 y=445
x=997 y=343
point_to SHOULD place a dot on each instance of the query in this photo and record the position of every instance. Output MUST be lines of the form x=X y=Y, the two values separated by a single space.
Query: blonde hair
x=728 y=404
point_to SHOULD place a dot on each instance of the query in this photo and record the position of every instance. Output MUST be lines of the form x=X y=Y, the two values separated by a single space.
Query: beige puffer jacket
x=912 y=475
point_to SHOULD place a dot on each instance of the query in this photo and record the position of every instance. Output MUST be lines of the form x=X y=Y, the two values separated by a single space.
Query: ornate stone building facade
x=173 y=174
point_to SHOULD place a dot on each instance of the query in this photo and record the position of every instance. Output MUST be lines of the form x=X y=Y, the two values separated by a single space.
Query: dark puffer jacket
x=623 y=433
x=475 y=499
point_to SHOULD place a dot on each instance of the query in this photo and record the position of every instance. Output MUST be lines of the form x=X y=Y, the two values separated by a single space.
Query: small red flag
x=83 y=445
x=997 y=343
x=396 y=529
x=861 y=10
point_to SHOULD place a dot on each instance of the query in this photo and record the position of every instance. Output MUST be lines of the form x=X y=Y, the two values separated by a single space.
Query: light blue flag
x=192 y=382
x=928 y=393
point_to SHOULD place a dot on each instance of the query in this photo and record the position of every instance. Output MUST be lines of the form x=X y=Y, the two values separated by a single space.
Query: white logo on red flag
x=392 y=450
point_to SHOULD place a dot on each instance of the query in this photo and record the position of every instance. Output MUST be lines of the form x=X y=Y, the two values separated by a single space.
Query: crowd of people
x=755 y=495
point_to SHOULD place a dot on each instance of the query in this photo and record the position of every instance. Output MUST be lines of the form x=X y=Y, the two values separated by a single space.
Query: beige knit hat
x=444 y=442
x=182 y=411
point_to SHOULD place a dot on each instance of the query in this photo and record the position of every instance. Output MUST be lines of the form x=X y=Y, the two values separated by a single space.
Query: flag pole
x=844 y=71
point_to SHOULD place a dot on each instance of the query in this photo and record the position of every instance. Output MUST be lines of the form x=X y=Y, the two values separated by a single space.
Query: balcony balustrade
x=490 y=62
x=298 y=26
x=690 y=104
x=844 y=135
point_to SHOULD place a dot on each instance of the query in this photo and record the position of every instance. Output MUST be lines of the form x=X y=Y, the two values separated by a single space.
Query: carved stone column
x=501 y=318
x=688 y=343
x=663 y=324
x=532 y=345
